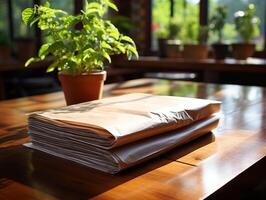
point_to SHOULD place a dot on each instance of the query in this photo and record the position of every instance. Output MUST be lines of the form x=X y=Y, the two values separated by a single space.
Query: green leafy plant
x=174 y=29
x=82 y=43
x=190 y=32
x=195 y=34
x=217 y=21
x=247 y=24
x=162 y=33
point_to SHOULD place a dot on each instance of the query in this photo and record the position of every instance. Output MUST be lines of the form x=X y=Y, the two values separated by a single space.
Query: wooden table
x=222 y=165
x=251 y=71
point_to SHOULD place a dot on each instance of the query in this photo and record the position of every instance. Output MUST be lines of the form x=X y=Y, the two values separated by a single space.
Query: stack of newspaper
x=115 y=133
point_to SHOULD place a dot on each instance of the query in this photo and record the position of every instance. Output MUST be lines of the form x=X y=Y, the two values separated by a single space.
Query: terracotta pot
x=162 y=47
x=82 y=88
x=242 y=51
x=195 y=52
x=25 y=49
x=5 y=53
x=220 y=51
x=173 y=49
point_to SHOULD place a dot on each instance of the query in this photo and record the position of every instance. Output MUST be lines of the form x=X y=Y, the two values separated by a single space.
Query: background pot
x=195 y=52
x=82 y=88
x=162 y=47
x=173 y=49
x=220 y=51
x=242 y=51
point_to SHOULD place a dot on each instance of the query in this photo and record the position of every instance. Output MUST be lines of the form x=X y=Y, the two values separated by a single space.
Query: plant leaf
x=106 y=46
x=31 y=60
x=52 y=66
x=34 y=20
x=127 y=39
x=44 y=50
x=112 y=5
x=106 y=55
x=46 y=4
x=121 y=48
x=133 y=50
x=94 y=5
x=27 y=14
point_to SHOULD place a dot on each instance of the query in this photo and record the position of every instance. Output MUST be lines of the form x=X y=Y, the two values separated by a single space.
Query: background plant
x=78 y=50
x=174 y=28
x=203 y=33
x=195 y=34
x=247 y=24
x=162 y=33
x=190 y=32
x=218 y=20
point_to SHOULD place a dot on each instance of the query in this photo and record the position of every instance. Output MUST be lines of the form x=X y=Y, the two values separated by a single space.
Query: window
x=186 y=11
x=230 y=34
x=19 y=28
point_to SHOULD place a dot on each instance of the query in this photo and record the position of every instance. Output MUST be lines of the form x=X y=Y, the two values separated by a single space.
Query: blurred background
x=147 y=21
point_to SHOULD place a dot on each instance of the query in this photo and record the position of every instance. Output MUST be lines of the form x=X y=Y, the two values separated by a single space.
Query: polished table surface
x=195 y=170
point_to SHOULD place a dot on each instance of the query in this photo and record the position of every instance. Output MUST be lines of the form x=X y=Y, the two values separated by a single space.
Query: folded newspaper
x=115 y=133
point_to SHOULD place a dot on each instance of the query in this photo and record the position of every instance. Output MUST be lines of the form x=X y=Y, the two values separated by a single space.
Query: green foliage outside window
x=247 y=24
x=20 y=29
x=175 y=28
x=190 y=31
x=186 y=13
x=217 y=21
x=230 y=34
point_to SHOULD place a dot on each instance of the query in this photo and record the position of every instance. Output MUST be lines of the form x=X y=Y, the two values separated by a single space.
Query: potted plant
x=197 y=47
x=5 y=50
x=217 y=23
x=79 y=53
x=173 y=42
x=247 y=26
